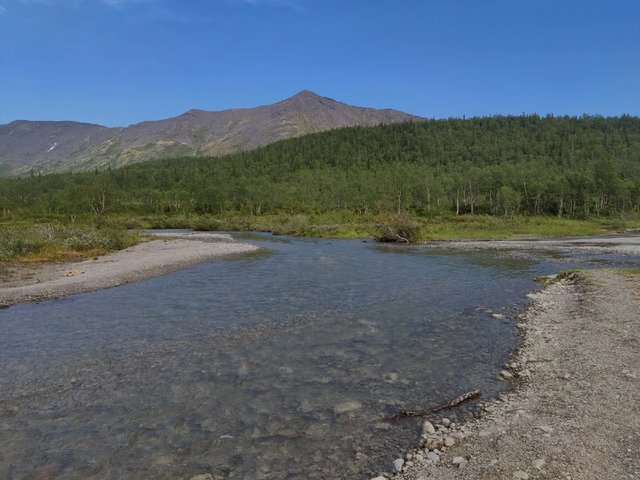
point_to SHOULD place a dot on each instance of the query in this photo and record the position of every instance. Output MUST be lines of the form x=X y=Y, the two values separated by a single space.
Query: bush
x=401 y=228
x=17 y=247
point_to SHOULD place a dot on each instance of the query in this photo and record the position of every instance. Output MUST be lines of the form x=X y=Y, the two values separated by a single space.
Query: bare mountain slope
x=78 y=146
x=24 y=143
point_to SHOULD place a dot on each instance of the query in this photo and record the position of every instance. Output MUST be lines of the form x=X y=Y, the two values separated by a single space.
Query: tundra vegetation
x=487 y=177
x=30 y=242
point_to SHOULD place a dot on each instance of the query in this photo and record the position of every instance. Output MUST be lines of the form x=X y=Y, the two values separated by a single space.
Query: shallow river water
x=275 y=365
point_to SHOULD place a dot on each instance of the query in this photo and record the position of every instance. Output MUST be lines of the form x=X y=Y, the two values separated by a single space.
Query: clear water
x=276 y=365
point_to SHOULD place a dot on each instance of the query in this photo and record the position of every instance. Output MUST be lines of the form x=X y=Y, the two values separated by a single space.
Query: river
x=281 y=364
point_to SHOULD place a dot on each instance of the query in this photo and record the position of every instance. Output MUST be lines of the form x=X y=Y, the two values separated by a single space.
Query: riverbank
x=576 y=411
x=624 y=244
x=34 y=283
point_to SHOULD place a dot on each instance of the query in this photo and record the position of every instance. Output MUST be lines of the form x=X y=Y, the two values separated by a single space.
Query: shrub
x=401 y=228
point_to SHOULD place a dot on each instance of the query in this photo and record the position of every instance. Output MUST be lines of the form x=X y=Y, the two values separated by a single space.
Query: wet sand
x=142 y=261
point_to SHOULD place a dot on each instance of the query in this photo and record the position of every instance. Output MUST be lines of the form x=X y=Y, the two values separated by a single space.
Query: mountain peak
x=195 y=132
x=306 y=94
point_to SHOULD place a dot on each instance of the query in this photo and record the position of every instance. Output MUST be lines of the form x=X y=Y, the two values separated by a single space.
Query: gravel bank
x=625 y=244
x=146 y=260
x=576 y=413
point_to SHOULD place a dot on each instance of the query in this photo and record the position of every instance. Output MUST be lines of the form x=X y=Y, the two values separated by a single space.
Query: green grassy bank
x=30 y=242
x=56 y=238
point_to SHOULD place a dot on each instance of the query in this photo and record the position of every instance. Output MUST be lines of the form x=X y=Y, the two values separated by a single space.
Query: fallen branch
x=423 y=413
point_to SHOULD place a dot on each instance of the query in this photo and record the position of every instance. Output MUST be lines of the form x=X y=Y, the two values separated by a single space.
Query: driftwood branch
x=423 y=413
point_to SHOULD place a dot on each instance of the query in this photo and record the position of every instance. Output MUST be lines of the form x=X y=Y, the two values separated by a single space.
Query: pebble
x=484 y=433
x=434 y=457
x=524 y=373
x=497 y=316
x=539 y=463
x=204 y=476
x=379 y=477
x=521 y=475
x=457 y=460
x=449 y=442
x=398 y=463
x=427 y=427
x=446 y=422
x=546 y=428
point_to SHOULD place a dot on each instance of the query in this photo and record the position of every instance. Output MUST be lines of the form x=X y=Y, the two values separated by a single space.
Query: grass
x=484 y=227
x=629 y=272
x=345 y=224
x=24 y=242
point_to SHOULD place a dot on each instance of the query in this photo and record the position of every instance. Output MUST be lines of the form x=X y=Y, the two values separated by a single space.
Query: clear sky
x=117 y=62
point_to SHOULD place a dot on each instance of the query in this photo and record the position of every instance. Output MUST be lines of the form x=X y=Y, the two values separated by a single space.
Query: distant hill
x=564 y=166
x=72 y=146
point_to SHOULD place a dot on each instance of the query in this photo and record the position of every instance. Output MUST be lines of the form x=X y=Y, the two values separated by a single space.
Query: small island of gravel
x=145 y=260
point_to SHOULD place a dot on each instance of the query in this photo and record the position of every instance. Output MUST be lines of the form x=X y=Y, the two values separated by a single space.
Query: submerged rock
x=347 y=407
x=391 y=377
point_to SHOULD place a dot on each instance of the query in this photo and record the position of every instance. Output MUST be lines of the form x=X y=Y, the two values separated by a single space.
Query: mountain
x=72 y=146
x=46 y=145
x=571 y=167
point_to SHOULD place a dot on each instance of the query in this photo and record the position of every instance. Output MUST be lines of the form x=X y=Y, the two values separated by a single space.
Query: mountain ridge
x=49 y=146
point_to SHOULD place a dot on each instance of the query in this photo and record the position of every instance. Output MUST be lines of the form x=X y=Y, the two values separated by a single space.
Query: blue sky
x=117 y=62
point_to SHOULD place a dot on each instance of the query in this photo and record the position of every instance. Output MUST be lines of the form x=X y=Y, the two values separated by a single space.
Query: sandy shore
x=146 y=260
x=576 y=412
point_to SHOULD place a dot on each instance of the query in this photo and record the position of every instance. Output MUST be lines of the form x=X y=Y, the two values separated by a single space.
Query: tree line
x=502 y=165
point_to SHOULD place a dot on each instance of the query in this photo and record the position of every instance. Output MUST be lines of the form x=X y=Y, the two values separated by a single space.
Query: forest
x=573 y=167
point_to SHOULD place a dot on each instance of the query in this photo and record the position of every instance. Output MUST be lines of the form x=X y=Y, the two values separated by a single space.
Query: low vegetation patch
x=630 y=272
x=23 y=242
x=564 y=275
